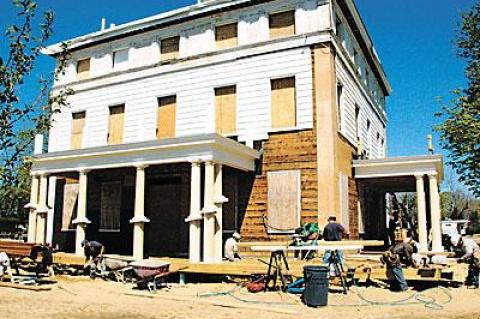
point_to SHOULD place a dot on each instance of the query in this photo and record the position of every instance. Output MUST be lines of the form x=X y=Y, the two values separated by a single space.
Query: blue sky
x=413 y=38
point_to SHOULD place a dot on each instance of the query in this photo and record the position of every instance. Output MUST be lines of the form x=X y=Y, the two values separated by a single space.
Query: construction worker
x=471 y=255
x=333 y=231
x=4 y=263
x=93 y=250
x=394 y=257
x=231 y=247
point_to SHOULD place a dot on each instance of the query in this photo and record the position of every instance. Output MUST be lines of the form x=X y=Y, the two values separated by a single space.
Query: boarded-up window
x=115 y=124
x=283 y=103
x=344 y=209
x=283 y=200
x=120 y=59
x=83 y=69
x=70 y=201
x=357 y=122
x=78 y=124
x=111 y=205
x=169 y=48
x=339 y=105
x=226 y=36
x=282 y=24
x=166 y=117
x=226 y=110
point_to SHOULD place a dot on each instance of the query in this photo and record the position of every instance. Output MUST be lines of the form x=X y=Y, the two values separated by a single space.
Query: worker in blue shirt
x=333 y=231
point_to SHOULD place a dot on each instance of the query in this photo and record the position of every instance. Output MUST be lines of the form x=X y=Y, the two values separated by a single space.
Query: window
x=344 y=200
x=226 y=110
x=226 y=36
x=83 y=69
x=282 y=24
x=357 y=122
x=70 y=201
x=166 y=117
x=369 y=139
x=111 y=205
x=115 y=124
x=339 y=105
x=283 y=103
x=169 y=48
x=78 y=124
x=120 y=59
x=283 y=201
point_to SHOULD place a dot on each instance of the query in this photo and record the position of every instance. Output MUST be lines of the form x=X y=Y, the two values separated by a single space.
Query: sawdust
x=78 y=298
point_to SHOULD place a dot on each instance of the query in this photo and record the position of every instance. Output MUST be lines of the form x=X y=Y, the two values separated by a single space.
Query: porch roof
x=399 y=166
x=205 y=147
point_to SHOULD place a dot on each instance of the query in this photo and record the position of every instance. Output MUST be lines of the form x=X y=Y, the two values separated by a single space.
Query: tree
x=20 y=121
x=460 y=129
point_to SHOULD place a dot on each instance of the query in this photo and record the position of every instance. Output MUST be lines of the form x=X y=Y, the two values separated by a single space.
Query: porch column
x=435 y=213
x=422 y=215
x=209 y=211
x=32 y=206
x=52 y=185
x=42 y=210
x=139 y=218
x=81 y=221
x=219 y=201
x=195 y=218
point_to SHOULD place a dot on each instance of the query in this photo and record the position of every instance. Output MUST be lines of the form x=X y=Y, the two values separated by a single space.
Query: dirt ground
x=80 y=297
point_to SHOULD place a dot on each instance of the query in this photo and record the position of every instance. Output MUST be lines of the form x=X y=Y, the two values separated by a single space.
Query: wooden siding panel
x=226 y=36
x=282 y=24
x=166 y=117
x=115 y=124
x=78 y=125
x=283 y=103
x=226 y=110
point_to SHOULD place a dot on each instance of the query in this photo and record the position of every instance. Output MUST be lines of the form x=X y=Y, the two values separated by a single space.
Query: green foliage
x=460 y=129
x=20 y=121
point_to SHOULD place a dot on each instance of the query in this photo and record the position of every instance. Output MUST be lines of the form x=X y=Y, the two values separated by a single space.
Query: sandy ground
x=79 y=297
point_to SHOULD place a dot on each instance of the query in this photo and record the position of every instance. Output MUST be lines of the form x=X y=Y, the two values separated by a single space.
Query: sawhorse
x=338 y=267
x=275 y=270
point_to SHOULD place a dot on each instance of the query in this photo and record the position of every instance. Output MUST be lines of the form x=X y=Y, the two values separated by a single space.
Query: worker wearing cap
x=394 y=257
x=231 y=247
x=471 y=255
x=92 y=250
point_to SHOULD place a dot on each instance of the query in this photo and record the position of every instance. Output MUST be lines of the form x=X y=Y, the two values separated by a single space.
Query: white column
x=209 y=211
x=422 y=214
x=42 y=210
x=32 y=206
x=435 y=215
x=195 y=218
x=81 y=221
x=219 y=201
x=139 y=218
x=52 y=184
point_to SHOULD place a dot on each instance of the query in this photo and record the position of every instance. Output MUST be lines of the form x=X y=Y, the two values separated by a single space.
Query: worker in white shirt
x=231 y=247
x=471 y=255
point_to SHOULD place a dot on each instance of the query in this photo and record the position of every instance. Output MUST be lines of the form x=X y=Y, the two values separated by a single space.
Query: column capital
x=41 y=174
x=432 y=175
x=418 y=175
x=34 y=174
x=209 y=163
x=84 y=171
x=81 y=220
x=196 y=162
x=139 y=219
x=141 y=166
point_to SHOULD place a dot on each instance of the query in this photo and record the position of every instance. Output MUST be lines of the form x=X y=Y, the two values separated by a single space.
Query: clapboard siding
x=195 y=99
x=198 y=36
x=353 y=95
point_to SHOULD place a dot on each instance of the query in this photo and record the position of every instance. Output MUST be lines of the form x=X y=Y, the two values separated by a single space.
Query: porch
x=152 y=196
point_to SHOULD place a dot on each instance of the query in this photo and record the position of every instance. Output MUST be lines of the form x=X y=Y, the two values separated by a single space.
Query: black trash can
x=316 y=286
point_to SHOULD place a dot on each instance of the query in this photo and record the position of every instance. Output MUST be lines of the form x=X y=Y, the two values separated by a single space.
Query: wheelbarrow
x=151 y=274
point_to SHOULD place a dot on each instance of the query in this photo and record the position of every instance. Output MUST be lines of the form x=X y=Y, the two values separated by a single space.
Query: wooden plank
x=24 y=287
x=282 y=24
x=226 y=110
x=166 y=114
x=283 y=200
x=226 y=36
x=170 y=48
x=68 y=259
x=115 y=125
x=283 y=102
x=78 y=124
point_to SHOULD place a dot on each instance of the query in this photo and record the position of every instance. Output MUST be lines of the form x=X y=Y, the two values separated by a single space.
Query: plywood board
x=70 y=198
x=166 y=117
x=115 y=125
x=170 y=48
x=282 y=24
x=226 y=36
x=283 y=103
x=78 y=124
x=83 y=69
x=283 y=200
x=226 y=110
